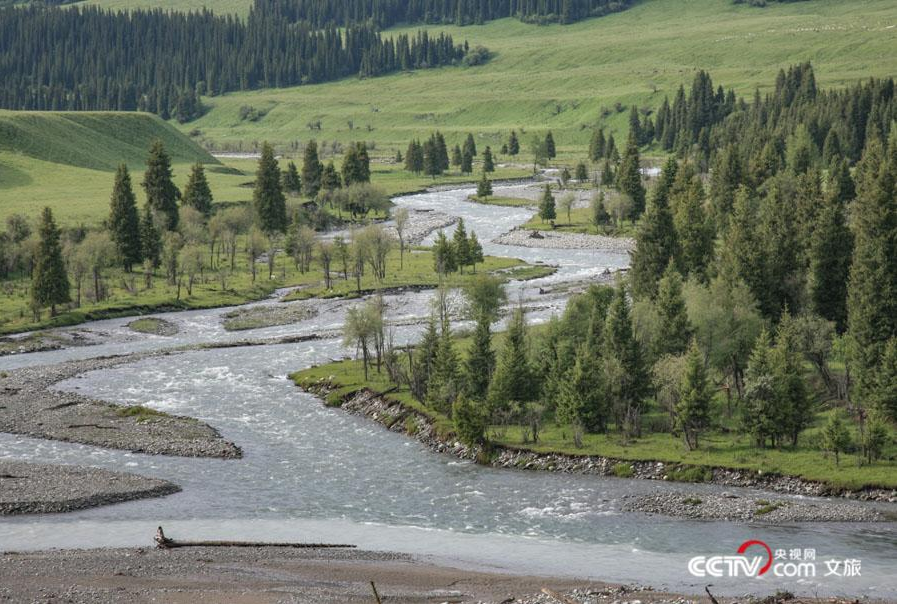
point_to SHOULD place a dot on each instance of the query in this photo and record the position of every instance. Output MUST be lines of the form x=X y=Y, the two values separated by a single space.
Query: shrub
x=690 y=474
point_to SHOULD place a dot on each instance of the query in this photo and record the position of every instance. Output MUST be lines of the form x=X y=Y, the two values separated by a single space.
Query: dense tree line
x=386 y=13
x=87 y=58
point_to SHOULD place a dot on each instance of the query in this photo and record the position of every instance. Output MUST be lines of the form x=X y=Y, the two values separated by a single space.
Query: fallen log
x=163 y=542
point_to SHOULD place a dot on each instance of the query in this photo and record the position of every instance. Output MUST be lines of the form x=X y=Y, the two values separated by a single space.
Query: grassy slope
x=240 y=7
x=578 y=69
x=731 y=449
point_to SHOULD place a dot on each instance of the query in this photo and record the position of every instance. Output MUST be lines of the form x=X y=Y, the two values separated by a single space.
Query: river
x=318 y=474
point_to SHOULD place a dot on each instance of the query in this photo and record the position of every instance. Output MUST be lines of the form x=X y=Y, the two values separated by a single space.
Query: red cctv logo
x=740 y=565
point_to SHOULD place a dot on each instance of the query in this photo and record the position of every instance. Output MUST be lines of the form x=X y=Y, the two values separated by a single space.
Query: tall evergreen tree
x=311 y=169
x=445 y=378
x=150 y=238
x=441 y=149
x=674 y=330
x=484 y=187
x=513 y=378
x=488 y=162
x=581 y=396
x=693 y=408
x=161 y=193
x=470 y=146
x=461 y=245
x=267 y=198
x=456 y=155
x=629 y=178
x=466 y=162
x=656 y=242
x=124 y=222
x=547 y=209
x=694 y=230
x=550 y=149
x=513 y=144
x=831 y=248
x=49 y=280
x=197 y=193
x=872 y=293
x=625 y=373
x=330 y=180
x=292 y=182
x=596 y=145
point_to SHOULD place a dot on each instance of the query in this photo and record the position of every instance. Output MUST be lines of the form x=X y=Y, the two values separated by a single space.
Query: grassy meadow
x=562 y=77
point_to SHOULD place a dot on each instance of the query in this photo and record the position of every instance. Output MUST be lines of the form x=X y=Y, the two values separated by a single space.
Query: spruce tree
x=311 y=169
x=597 y=145
x=456 y=155
x=461 y=246
x=581 y=397
x=742 y=250
x=444 y=384
x=161 y=193
x=694 y=230
x=124 y=221
x=197 y=193
x=787 y=362
x=292 y=182
x=267 y=197
x=882 y=394
x=635 y=126
x=550 y=149
x=582 y=172
x=444 y=260
x=488 y=162
x=513 y=144
x=49 y=280
x=441 y=152
x=693 y=408
x=547 y=209
x=150 y=238
x=763 y=417
x=656 y=241
x=424 y=359
x=466 y=162
x=626 y=375
x=629 y=178
x=476 y=251
x=480 y=362
x=674 y=330
x=513 y=379
x=872 y=293
x=469 y=146
x=330 y=180
x=830 y=250
x=484 y=187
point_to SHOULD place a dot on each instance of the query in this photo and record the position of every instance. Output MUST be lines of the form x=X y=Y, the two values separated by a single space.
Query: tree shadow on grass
x=12 y=177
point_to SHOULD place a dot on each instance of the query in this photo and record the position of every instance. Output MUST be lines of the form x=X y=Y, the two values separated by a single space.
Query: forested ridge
x=386 y=13
x=91 y=59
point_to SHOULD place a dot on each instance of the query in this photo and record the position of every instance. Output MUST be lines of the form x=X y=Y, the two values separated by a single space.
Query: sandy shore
x=29 y=488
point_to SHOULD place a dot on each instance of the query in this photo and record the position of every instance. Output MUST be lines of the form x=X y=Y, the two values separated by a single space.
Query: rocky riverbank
x=31 y=407
x=562 y=240
x=731 y=507
x=28 y=488
x=398 y=418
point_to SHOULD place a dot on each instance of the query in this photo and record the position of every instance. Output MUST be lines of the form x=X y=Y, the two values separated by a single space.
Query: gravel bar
x=29 y=406
x=566 y=241
x=29 y=488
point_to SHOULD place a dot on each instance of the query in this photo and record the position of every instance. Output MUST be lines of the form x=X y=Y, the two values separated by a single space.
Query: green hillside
x=240 y=7
x=561 y=77
x=98 y=141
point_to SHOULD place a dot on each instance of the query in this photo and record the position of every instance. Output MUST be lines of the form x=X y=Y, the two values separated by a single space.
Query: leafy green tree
x=656 y=242
x=488 y=162
x=513 y=144
x=267 y=198
x=546 y=205
x=513 y=379
x=484 y=187
x=49 y=280
x=124 y=221
x=566 y=204
x=629 y=178
x=550 y=150
x=470 y=421
x=693 y=409
x=161 y=193
x=835 y=436
x=625 y=373
x=311 y=169
x=197 y=193
x=292 y=182
x=539 y=150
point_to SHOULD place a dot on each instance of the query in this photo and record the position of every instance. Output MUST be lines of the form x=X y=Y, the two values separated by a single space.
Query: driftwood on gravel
x=163 y=542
